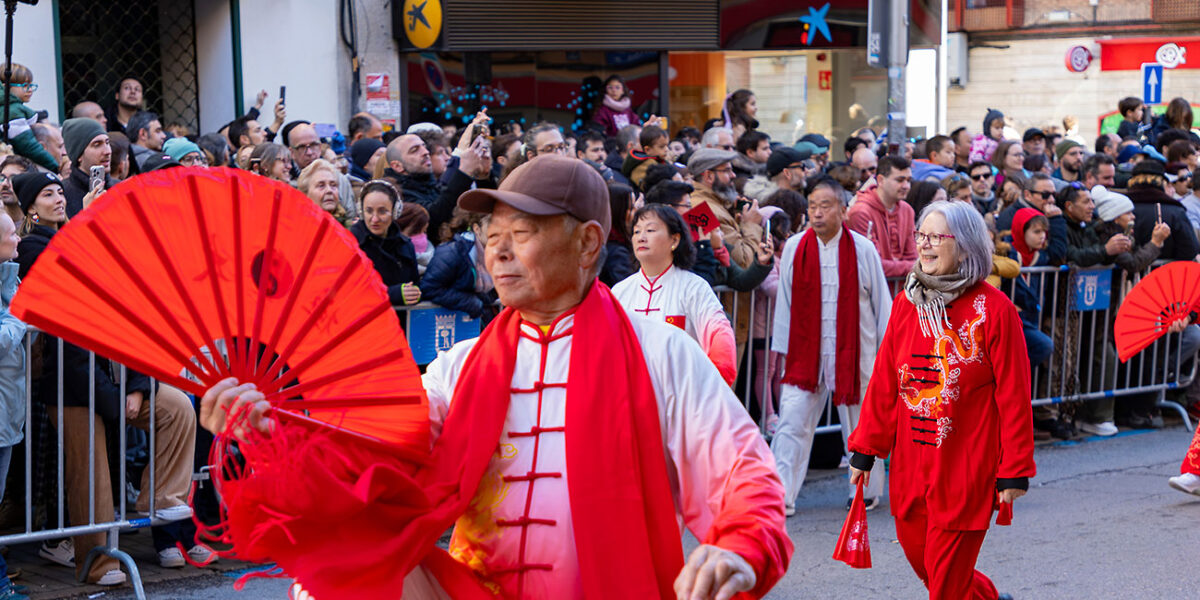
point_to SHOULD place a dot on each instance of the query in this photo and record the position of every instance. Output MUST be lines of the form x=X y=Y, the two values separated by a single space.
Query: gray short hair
x=970 y=233
x=710 y=137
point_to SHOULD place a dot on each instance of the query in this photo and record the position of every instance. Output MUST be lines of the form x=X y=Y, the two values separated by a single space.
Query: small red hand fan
x=853 y=546
x=195 y=275
x=1167 y=294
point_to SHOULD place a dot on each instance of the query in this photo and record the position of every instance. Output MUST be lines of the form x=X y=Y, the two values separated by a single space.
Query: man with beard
x=713 y=173
x=129 y=101
x=982 y=195
x=410 y=168
x=880 y=214
x=1070 y=159
x=147 y=137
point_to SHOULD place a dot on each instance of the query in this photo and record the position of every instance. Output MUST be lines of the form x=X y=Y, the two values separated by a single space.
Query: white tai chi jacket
x=683 y=299
x=712 y=449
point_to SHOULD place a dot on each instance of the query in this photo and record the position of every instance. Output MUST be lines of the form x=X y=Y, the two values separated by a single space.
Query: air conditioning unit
x=956 y=59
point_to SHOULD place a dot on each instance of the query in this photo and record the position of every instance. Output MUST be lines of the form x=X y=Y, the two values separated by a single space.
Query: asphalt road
x=1099 y=522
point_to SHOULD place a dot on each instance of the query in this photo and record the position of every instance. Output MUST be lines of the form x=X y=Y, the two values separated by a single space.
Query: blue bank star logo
x=417 y=13
x=814 y=23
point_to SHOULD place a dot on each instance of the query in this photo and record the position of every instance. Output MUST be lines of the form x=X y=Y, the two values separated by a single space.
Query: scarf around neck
x=803 y=362
x=621 y=105
x=930 y=294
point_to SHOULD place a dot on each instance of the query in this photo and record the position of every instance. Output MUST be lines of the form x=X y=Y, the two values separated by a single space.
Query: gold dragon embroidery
x=950 y=350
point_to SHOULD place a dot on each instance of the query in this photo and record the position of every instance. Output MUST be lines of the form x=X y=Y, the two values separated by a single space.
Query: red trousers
x=1191 y=462
x=944 y=560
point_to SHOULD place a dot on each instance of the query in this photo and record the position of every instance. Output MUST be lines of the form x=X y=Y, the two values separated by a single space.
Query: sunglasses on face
x=981 y=176
x=1044 y=195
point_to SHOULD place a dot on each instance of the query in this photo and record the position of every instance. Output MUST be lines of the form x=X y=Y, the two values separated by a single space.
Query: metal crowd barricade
x=56 y=526
x=1069 y=299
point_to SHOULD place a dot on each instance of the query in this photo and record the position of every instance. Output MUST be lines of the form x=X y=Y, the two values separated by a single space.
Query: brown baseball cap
x=550 y=184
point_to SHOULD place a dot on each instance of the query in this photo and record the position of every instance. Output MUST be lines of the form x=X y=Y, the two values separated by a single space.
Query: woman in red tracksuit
x=949 y=403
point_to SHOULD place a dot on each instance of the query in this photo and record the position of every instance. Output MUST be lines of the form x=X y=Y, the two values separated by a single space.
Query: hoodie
x=984 y=145
x=891 y=232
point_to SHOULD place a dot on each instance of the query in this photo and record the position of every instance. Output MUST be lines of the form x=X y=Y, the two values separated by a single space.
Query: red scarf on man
x=803 y=364
x=623 y=514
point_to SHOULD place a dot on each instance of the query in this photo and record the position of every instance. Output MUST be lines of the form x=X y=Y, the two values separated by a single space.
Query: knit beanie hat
x=27 y=186
x=1064 y=147
x=77 y=134
x=362 y=151
x=1109 y=204
x=178 y=147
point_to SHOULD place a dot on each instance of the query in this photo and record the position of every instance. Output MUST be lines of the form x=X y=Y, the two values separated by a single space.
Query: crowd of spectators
x=1049 y=197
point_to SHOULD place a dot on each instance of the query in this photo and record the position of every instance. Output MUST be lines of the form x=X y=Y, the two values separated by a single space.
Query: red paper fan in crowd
x=192 y=276
x=1166 y=295
x=853 y=547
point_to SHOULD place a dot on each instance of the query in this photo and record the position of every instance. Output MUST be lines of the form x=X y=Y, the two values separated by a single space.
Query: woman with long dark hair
x=618 y=260
x=664 y=288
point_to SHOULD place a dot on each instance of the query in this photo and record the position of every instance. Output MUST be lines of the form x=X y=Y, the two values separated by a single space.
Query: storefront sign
x=1128 y=54
x=825 y=80
x=422 y=22
x=1079 y=58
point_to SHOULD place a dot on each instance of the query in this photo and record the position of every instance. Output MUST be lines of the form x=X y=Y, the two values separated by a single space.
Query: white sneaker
x=113 y=577
x=1105 y=429
x=171 y=558
x=62 y=553
x=174 y=513
x=1188 y=483
x=202 y=555
x=789 y=510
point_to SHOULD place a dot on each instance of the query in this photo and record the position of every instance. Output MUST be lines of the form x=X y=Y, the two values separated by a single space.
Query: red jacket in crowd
x=891 y=232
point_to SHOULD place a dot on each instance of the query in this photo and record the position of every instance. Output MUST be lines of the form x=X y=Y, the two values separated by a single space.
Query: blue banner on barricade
x=433 y=330
x=1093 y=290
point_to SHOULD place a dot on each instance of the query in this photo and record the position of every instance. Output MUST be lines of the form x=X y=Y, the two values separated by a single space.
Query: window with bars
x=152 y=40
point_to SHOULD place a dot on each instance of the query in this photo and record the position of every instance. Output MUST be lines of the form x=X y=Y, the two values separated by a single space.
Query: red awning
x=1128 y=54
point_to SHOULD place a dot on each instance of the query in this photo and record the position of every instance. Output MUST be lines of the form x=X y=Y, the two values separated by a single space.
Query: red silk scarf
x=621 y=505
x=803 y=362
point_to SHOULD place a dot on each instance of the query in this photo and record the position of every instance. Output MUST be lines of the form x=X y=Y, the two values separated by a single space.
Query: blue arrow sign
x=1152 y=80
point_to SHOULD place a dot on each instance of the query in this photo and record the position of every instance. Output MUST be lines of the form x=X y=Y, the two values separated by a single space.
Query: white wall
x=214 y=64
x=920 y=90
x=33 y=46
x=296 y=43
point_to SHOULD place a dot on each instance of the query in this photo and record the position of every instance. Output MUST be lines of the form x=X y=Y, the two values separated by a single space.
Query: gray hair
x=970 y=233
x=710 y=137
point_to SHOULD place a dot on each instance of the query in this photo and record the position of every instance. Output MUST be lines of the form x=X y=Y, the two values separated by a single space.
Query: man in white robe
x=546 y=231
x=800 y=410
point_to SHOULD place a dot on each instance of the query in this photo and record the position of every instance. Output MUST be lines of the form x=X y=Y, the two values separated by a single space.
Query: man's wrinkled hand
x=712 y=573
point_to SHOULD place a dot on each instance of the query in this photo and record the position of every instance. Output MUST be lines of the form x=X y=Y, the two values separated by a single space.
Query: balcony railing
x=1000 y=15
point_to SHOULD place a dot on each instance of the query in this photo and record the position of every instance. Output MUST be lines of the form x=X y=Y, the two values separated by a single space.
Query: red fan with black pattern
x=1168 y=294
x=192 y=276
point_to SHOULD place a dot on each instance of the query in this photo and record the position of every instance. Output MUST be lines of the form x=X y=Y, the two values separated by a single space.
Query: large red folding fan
x=192 y=276
x=1166 y=295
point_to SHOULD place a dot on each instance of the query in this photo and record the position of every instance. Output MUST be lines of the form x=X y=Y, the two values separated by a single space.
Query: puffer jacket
x=450 y=278
x=20 y=118
x=12 y=361
x=394 y=257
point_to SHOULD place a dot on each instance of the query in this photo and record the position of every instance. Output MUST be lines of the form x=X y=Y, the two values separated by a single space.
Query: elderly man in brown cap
x=582 y=499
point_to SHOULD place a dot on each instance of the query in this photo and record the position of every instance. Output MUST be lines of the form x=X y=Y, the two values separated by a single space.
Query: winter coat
x=742 y=237
x=890 y=232
x=1085 y=248
x=984 y=204
x=12 y=362
x=438 y=200
x=76 y=376
x=1159 y=127
x=982 y=148
x=635 y=166
x=450 y=278
x=1182 y=244
x=394 y=257
x=614 y=121
x=76 y=186
x=20 y=134
x=744 y=167
x=1136 y=260
x=618 y=263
